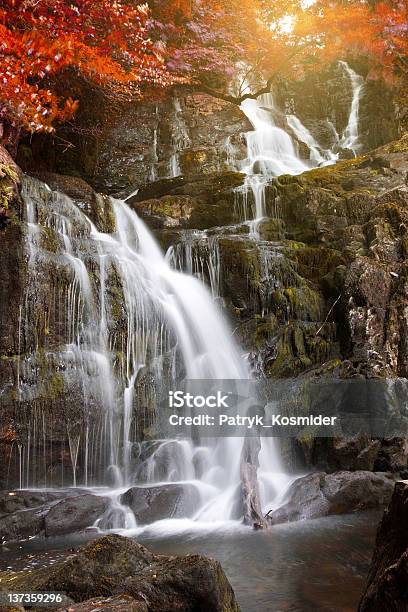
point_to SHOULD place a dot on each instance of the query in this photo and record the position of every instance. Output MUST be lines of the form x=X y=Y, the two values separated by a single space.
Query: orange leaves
x=326 y=30
x=105 y=42
x=121 y=46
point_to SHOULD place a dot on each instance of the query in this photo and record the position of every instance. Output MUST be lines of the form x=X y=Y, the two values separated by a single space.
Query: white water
x=272 y=152
x=170 y=318
x=180 y=139
x=318 y=155
x=350 y=137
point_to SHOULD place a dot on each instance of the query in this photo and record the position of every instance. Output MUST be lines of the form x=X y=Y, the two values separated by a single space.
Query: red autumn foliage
x=122 y=47
x=211 y=40
x=106 y=43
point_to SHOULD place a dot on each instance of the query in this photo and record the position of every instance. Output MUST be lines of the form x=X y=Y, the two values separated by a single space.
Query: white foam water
x=350 y=138
x=169 y=315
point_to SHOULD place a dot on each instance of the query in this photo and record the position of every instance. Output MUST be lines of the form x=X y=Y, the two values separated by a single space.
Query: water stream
x=128 y=313
x=271 y=150
x=171 y=326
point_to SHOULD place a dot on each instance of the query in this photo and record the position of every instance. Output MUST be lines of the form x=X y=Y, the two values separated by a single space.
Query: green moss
x=54 y=386
x=264 y=330
x=103 y=213
x=293 y=245
x=398 y=146
x=314 y=262
x=336 y=180
x=49 y=240
x=8 y=181
x=305 y=303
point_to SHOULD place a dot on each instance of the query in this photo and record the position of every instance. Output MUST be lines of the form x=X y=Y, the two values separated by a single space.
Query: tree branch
x=201 y=87
x=198 y=86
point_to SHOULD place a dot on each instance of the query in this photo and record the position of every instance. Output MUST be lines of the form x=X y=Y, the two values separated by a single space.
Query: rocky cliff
x=323 y=293
x=388 y=577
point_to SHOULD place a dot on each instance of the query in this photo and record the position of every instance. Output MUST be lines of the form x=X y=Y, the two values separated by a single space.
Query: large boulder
x=22 y=524
x=321 y=494
x=118 y=603
x=74 y=514
x=153 y=503
x=387 y=587
x=22 y=513
x=27 y=513
x=114 y=565
x=12 y=501
x=186 y=583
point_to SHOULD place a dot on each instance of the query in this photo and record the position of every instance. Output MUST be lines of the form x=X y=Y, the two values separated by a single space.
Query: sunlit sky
x=286 y=24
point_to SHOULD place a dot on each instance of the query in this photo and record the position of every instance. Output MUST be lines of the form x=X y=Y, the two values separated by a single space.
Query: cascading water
x=171 y=326
x=270 y=152
x=350 y=137
x=180 y=139
x=198 y=254
x=318 y=155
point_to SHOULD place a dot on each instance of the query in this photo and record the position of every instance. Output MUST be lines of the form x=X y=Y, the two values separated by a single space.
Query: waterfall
x=270 y=149
x=180 y=138
x=318 y=155
x=170 y=325
x=125 y=314
x=350 y=137
x=198 y=254
x=270 y=152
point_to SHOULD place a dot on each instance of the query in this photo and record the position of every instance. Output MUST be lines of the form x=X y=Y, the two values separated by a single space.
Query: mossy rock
x=10 y=182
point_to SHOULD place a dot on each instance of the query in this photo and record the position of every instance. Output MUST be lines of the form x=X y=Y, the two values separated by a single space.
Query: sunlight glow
x=286 y=24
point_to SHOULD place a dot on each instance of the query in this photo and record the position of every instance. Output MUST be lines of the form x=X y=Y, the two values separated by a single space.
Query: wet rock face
x=358 y=453
x=96 y=206
x=114 y=566
x=12 y=275
x=323 y=494
x=388 y=577
x=138 y=144
x=192 y=202
x=74 y=514
x=24 y=514
x=150 y=504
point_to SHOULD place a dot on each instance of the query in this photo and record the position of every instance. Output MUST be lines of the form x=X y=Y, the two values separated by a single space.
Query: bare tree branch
x=199 y=86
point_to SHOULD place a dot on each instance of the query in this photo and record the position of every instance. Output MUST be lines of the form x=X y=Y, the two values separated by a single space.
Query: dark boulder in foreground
x=387 y=587
x=119 y=603
x=114 y=565
x=150 y=504
x=321 y=494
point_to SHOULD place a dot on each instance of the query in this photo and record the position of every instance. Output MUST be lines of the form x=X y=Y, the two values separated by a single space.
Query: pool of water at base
x=318 y=565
